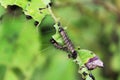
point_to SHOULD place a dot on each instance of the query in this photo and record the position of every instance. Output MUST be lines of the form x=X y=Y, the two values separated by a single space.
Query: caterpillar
x=68 y=43
x=58 y=46
x=61 y=38
x=83 y=70
x=87 y=60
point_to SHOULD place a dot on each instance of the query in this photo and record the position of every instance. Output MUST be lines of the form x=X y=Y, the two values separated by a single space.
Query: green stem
x=51 y=13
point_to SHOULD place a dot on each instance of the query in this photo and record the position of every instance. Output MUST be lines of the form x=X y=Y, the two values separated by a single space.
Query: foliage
x=27 y=5
x=27 y=54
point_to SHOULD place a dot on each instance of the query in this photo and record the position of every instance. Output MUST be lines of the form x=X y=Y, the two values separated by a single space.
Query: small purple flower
x=93 y=63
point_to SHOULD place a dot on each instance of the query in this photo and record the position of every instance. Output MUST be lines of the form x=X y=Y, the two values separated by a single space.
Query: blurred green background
x=26 y=53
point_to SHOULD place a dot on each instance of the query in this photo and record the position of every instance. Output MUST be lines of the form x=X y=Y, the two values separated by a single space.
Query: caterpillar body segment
x=66 y=39
x=58 y=46
x=68 y=43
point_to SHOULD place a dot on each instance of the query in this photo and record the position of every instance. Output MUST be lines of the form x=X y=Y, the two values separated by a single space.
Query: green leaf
x=57 y=36
x=46 y=1
x=62 y=66
x=19 y=44
x=30 y=7
x=85 y=55
x=10 y=75
x=2 y=72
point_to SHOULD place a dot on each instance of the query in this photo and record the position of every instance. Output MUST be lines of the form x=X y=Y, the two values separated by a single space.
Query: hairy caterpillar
x=86 y=59
x=68 y=43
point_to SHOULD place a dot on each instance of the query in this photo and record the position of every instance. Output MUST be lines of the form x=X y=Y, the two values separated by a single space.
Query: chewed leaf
x=57 y=36
x=46 y=1
x=89 y=59
x=5 y=3
x=21 y=3
x=85 y=55
x=37 y=9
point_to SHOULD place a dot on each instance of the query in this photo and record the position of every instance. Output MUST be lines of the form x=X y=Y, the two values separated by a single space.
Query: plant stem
x=51 y=13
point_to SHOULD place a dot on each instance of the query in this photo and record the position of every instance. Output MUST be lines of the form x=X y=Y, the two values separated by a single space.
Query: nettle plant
x=38 y=9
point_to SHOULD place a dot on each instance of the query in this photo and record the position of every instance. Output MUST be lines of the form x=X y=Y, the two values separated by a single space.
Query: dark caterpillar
x=86 y=59
x=68 y=43
x=58 y=46
x=68 y=46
